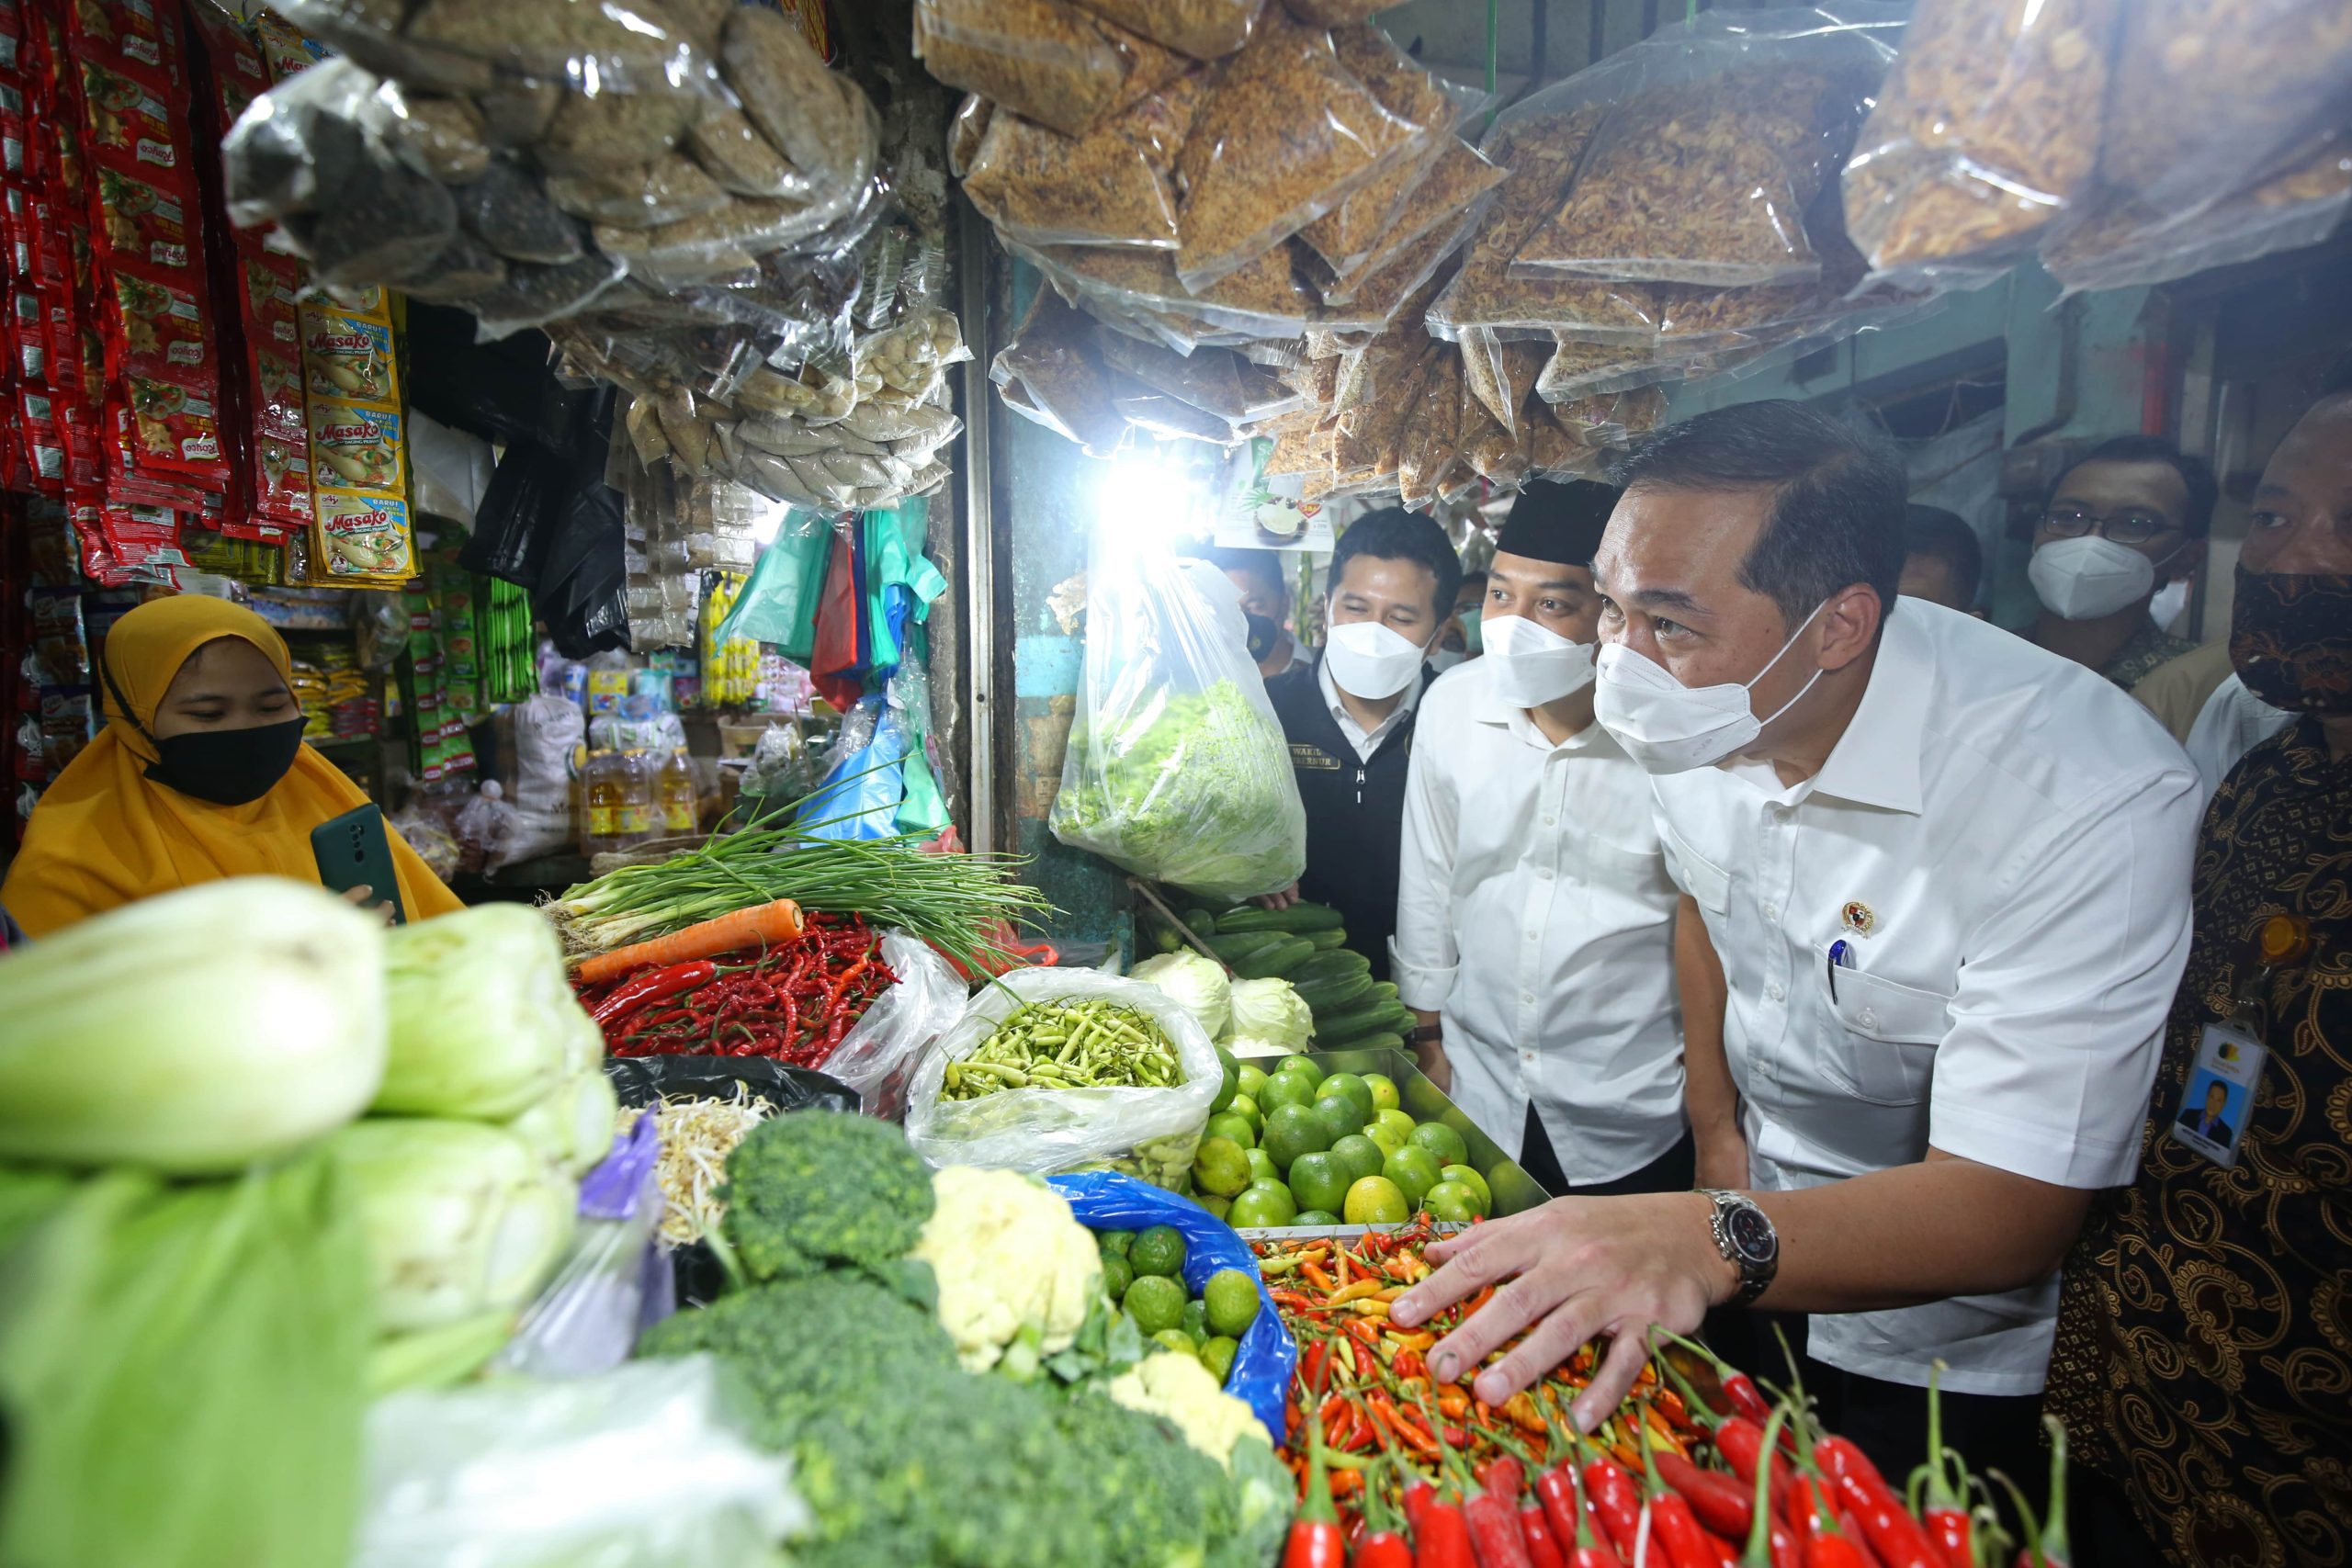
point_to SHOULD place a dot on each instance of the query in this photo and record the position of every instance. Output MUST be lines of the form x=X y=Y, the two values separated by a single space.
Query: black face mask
x=228 y=767
x=1265 y=634
x=2290 y=638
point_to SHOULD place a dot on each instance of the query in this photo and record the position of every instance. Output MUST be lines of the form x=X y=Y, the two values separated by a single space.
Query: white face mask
x=2170 y=603
x=2081 y=579
x=1371 y=661
x=1532 y=664
x=1446 y=659
x=1670 y=728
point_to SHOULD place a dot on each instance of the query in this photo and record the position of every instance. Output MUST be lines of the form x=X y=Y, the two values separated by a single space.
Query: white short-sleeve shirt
x=1534 y=913
x=2003 y=840
x=2233 y=722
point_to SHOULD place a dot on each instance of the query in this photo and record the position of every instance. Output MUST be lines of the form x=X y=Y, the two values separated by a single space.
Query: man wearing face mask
x=1257 y=576
x=2119 y=542
x=1350 y=719
x=1462 y=633
x=1946 y=875
x=2200 y=1362
x=1535 y=923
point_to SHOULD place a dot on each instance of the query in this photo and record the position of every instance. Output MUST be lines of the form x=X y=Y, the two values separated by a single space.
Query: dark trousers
x=2101 y=1527
x=1672 y=1171
x=1889 y=1420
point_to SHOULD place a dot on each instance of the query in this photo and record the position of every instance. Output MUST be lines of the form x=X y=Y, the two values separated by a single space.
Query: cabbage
x=461 y=1218
x=1196 y=983
x=483 y=1021
x=1271 y=1010
x=193 y=1033
x=571 y=1129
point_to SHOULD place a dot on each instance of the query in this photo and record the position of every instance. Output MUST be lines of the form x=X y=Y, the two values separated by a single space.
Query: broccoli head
x=817 y=1185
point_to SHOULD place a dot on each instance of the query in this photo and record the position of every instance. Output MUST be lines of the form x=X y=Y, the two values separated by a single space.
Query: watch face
x=1752 y=1234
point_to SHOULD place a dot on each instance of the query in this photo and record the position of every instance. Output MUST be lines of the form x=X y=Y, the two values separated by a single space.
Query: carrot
x=763 y=925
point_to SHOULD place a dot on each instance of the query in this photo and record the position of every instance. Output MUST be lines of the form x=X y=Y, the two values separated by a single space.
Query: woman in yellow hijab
x=200 y=774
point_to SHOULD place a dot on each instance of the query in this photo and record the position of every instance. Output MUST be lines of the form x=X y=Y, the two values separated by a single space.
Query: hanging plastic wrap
x=1115 y=185
x=1043 y=60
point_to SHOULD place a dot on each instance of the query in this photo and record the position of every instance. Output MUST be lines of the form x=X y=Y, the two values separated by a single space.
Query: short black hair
x=2196 y=474
x=1477 y=576
x=1837 y=496
x=1946 y=536
x=1264 y=564
x=1394 y=534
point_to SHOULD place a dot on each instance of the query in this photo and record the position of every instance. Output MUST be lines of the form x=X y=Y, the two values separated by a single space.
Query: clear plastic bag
x=1539 y=143
x=645 y=47
x=1288 y=135
x=1052 y=373
x=1111 y=187
x=1216 y=380
x=1149 y=1133
x=880 y=1052
x=585 y=1320
x=1261 y=299
x=644 y=1466
x=1989 y=124
x=1205 y=30
x=1720 y=134
x=1346 y=236
x=1177 y=768
x=1437 y=216
x=1050 y=62
x=2117 y=242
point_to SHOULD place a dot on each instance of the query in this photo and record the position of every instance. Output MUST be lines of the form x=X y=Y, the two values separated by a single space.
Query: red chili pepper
x=651 y=986
x=1504 y=1476
x=1720 y=1502
x=1442 y=1537
x=1853 y=1528
x=1770 y=1543
x=1737 y=1438
x=1895 y=1536
x=1316 y=1539
x=1417 y=1495
x=2046 y=1544
x=1673 y=1526
x=1543 y=1547
x=1737 y=1387
x=1945 y=1517
x=1495 y=1535
x=1616 y=1501
x=1381 y=1544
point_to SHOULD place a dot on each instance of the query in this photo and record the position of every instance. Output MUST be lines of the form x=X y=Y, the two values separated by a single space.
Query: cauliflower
x=1013 y=1264
x=1177 y=1386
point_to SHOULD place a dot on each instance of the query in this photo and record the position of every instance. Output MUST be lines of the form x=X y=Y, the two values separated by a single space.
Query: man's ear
x=1849 y=625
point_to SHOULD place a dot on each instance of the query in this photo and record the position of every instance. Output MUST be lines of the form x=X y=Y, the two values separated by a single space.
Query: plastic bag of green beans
x=1067 y=1069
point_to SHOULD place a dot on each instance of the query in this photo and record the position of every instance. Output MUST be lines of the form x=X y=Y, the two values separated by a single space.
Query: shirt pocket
x=1881 y=1048
x=1694 y=873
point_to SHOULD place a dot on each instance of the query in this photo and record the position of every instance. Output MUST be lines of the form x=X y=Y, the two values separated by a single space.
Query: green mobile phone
x=353 y=850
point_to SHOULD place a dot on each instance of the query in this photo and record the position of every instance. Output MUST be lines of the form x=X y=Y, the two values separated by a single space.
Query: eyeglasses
x=2130 y=528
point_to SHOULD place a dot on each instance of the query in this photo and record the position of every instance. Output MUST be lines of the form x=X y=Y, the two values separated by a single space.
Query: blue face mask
x=1470 y=629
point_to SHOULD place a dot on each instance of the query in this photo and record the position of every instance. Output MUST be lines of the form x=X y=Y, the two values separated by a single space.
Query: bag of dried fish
x=1052 y=373
x=1346 y=236
x=670 y=188
x=1264 y=299
x=1720 y=136
x=1205 y=30
x=816 y=119
x=507 y=211
x=1111 y=187
x=1217 y=380
x=1049 y=60
x=619 y=46
x=1286 y=136
x=1989 y=126
x=1157 y=413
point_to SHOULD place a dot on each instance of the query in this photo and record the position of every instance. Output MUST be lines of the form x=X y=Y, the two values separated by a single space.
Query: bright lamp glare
x=1148 y=497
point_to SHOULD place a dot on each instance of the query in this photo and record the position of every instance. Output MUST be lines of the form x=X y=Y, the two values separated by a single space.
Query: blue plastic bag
x=1263 y=1367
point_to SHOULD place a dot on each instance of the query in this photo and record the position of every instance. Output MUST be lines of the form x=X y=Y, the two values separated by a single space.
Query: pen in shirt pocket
x=1841 y=956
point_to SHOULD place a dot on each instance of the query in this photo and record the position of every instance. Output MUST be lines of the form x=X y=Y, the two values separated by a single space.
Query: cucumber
x=1202 y=922
x=1385 y=990
x=1233 y=949
x=1366 y=1042
x=1165 y=938
x=1295 y=920
x=1326 y=940
x=1374 y=1019
x=1276 y=962
x=1336 y=997
x=1343 y=964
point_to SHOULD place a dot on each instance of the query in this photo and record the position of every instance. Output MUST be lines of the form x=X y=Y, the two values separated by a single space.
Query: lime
x=1155 y=1303
x=1214 y=1204
x=1359 y=1155
x=1314 y=1073
x=1234 y=1129
x=1339 y=1118
x=1231 y=1085
x=1396 y=1118
x=1468 y=1176
x=1294 y=1131
x=1246 y=1107
x=1217 y=1357
x=1262 y=1167
x=1384 y=1138
x=1117 y=1277
x=1262 y=1204
x=1316 y=1217
x=1195 y=1321
x=1452 y=1201
x=1285 y=1088
x=1160 y=1249
x=1221 y=1166
x=1354 y=1090
x=1176 y=1339
x=1114 y=1244
x=1231 y=1298
x=1413 y=1168
x=1320 y=1181
x=1383 y=1091
x=1375 y=1200
x=1250 y=1080
x=1442 y=1141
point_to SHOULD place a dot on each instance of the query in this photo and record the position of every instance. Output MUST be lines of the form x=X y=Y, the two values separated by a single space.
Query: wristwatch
x=1428 y=1034
x=1743 y=1234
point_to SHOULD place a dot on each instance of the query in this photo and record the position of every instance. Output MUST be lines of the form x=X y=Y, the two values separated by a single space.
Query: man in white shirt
x=1947 y=876
x=1535 y=917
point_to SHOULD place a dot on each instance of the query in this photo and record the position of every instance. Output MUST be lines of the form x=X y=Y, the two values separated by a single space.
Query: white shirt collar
x=1876 y=761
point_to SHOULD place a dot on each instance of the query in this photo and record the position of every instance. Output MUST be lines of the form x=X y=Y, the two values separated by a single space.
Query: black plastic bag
x=641 y=1080
x=516 y=520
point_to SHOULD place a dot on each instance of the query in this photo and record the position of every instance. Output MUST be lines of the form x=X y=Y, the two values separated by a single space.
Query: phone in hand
x=353 y=850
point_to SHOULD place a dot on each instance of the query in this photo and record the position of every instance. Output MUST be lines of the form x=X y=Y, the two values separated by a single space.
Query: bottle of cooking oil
x=617 y=799
x=675 y=793
x=641 y=817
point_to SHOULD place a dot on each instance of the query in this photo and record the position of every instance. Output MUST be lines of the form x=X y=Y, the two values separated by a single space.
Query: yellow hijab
x=105 y=834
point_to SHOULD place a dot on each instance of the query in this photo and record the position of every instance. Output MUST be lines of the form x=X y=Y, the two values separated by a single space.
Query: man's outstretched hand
x=1573 y=1268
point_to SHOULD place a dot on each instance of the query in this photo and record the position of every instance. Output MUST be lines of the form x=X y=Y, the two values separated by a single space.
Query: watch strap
x=1755 y=1278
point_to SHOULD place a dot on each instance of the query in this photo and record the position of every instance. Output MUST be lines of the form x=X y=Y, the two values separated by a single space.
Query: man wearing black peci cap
x=1535 y=921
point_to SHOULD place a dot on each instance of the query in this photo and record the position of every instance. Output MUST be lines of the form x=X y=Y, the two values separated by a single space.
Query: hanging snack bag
x=1205 y=30
x=1111 y=186
x=1433 y=221
x=2119 y=241
x=1347 y=236
x=1540 y=143
x=1042 y=59
x=1052 y=374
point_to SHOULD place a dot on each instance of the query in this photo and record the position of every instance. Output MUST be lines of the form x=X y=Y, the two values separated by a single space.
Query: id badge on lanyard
x=2218 y=1102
